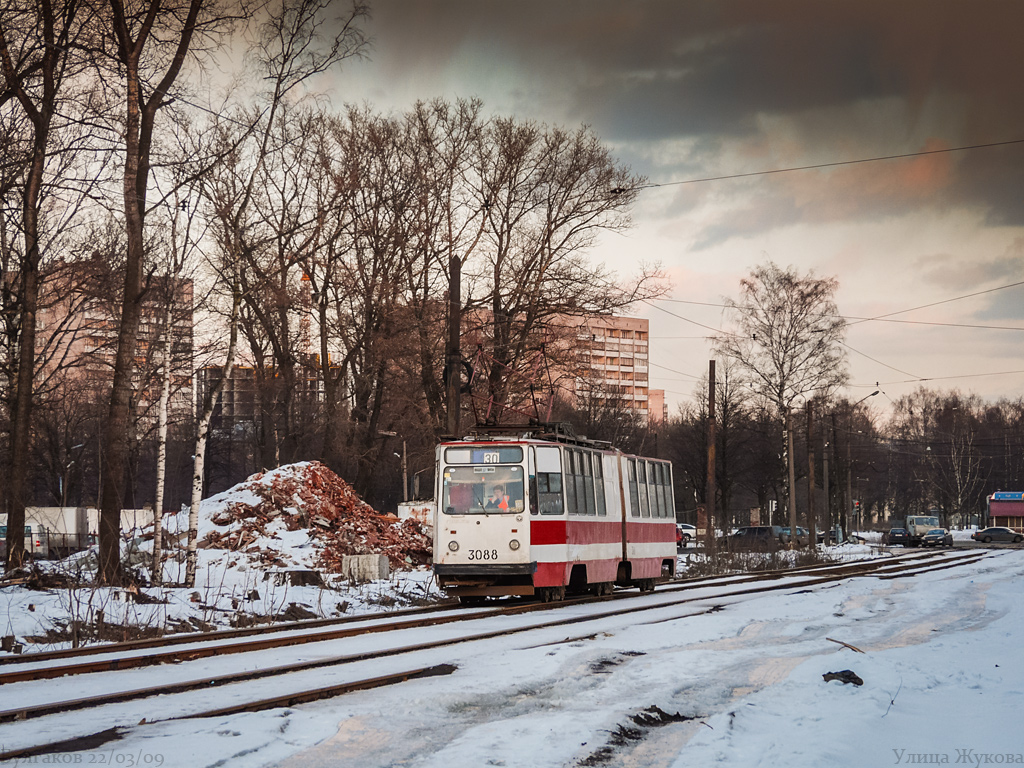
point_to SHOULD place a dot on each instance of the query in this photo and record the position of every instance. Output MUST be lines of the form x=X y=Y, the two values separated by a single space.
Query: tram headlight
x=453 y=546
x=513 y=545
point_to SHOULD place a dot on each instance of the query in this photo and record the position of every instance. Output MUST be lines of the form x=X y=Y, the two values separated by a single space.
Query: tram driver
x=497 y=500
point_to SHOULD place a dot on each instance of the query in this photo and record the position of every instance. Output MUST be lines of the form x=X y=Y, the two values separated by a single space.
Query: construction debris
x=311 y=499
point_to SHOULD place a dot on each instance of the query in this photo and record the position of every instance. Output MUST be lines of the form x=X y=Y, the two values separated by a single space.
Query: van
x=36 y=543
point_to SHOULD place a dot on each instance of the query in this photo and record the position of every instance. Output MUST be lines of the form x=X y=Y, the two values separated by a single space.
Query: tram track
x=122 y=656
x=888 y=568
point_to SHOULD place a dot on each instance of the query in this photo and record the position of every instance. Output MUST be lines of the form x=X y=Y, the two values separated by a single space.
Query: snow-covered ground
x=240 y=576
x=942 y=680
x=224 y=596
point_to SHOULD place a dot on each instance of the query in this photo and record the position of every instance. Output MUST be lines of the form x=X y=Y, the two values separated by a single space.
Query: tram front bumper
x=480 y=580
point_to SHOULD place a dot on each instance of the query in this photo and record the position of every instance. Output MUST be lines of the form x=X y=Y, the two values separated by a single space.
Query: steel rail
x=221 y=634
x=276 y=640
x=285 y=700
x=30 y=712
x=225 y=634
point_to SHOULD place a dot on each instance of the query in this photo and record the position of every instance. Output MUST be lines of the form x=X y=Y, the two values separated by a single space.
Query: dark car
x=937 y=537
x=802 y=536
x=762 y=538
x=897 y=536
x=989 y=535
x=829 y=537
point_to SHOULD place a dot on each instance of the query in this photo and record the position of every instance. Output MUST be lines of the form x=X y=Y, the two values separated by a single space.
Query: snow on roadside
x=296 y=517
x=941 y=680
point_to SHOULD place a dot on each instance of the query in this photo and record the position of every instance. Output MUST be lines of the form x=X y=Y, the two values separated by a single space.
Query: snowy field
x=942 y=679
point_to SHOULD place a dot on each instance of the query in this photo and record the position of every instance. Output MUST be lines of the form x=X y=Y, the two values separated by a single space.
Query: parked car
x=896 y=536
x=763 y=538
x=685 y=533
x=989 y=535
x=802 y=535
x=937 y=537
x=829 y=537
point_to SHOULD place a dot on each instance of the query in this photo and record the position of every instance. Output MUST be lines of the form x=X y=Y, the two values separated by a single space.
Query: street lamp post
x=63 y=484
x=62 y=481
x=405 y=474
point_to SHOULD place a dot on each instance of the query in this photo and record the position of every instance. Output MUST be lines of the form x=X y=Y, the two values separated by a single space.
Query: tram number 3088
x=483 y=554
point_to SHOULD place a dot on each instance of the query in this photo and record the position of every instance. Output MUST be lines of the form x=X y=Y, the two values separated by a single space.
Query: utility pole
x=405 y=474
x=825 y=478
x=812 y=523
x=709 y=539
x=454 y=361
x=848 y=509
x=792 y=479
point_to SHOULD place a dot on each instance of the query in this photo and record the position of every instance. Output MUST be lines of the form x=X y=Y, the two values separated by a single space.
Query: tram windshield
x=482 y=490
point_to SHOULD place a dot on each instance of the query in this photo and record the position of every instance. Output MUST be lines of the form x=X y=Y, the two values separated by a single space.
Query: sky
x=683 y=91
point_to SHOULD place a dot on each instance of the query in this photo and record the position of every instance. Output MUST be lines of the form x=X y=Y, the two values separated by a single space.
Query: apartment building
x=77 y=339
x=613 y=364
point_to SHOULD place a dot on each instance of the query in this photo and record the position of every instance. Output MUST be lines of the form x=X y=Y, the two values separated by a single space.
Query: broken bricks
x=311 y=497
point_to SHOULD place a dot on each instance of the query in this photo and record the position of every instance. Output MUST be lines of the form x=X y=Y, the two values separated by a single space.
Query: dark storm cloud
x=670 y=68
x=995 y=176
x=951 y=274
x=848 y=79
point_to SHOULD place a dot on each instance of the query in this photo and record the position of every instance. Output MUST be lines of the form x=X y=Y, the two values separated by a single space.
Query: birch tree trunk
x=202 y=431
x=161 y=451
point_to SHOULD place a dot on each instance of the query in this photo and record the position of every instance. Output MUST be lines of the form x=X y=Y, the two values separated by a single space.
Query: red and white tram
x=543 y=515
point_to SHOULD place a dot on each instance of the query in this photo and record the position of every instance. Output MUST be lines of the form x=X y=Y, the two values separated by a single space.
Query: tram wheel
x=602 y=588
x=551 y=594
x=471 y=599
x=646 y=585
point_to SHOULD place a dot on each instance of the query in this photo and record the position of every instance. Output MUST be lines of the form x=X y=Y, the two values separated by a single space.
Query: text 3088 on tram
x=547 y=515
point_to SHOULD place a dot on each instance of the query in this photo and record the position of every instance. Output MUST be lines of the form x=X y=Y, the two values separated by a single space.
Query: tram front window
x=477 y=490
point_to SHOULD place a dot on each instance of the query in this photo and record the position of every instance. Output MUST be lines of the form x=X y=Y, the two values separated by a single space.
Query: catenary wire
x=654 y=185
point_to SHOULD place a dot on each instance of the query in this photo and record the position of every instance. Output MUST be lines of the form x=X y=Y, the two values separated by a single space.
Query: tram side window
x=634 y=495
x=667 y=491
x=658 y=487
x=570 y=482
x=652 y=489
x=588 y=482
x=599 y=484
x=641 y=470
x=549 y=480
x=669 y=511
x=670 y=494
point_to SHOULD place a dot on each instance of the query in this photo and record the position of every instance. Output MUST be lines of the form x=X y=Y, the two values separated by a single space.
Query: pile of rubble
x=309 y=497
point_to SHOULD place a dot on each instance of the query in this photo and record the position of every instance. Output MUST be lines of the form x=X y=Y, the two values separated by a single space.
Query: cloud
x=851 y=79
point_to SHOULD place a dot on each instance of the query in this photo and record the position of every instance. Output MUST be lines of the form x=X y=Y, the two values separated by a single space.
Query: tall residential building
x=612 y=364
x=77 y=338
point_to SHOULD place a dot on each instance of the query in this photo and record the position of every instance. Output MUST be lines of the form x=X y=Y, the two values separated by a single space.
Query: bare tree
x=450 y=222
x=787 y=341
x=38 y=58
x=177 y=310
x=548 y=194
x=258 y=199
x=151 y=42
